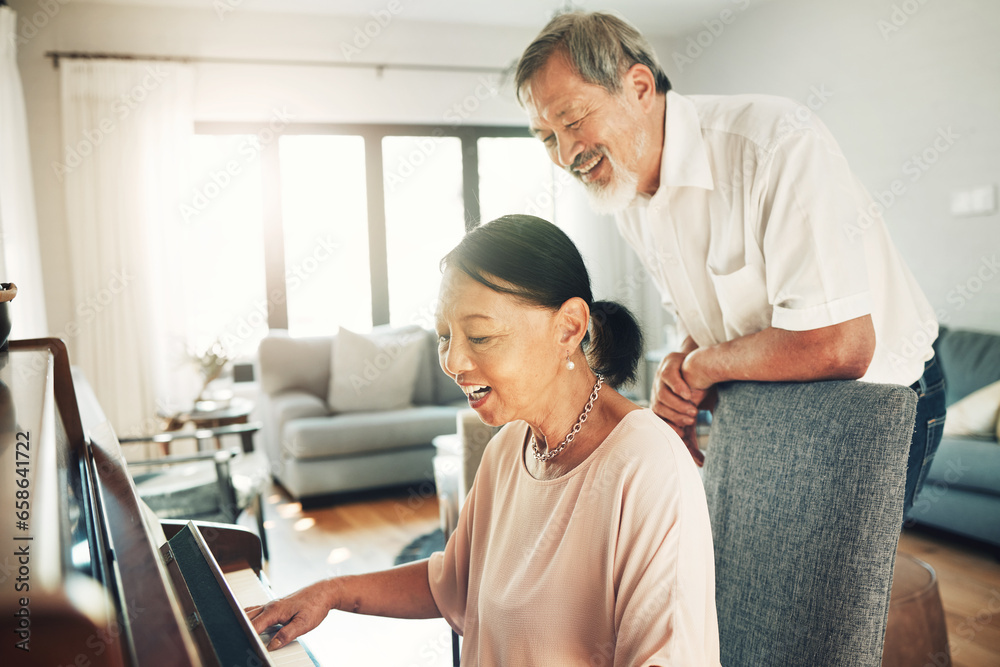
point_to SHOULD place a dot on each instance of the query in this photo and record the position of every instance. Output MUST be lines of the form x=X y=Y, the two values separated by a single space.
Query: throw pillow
x=975 y=415
x=376 y=371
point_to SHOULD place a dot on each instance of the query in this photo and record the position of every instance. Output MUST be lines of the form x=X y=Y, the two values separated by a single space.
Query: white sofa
x=315 y=452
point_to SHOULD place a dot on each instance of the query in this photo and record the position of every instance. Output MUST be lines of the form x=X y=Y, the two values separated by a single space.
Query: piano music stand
x=214 y=618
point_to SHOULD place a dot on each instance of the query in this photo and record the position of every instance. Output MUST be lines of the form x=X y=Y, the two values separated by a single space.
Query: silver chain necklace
x=552 y=453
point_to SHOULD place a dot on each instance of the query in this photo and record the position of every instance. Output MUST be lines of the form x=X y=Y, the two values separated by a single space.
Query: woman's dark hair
x=535 y=261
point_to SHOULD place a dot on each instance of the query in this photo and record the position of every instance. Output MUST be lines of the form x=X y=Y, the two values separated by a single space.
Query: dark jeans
x=926 y=431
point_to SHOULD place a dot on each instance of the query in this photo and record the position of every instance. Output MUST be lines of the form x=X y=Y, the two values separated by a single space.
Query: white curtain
x=126 y=128
x=20 y=262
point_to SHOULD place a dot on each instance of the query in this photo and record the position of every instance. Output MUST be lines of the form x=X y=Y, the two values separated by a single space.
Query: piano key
x=249 y=591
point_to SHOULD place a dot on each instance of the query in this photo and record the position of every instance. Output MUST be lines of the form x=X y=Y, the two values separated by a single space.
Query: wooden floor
x=969 y=584
x=366 y=533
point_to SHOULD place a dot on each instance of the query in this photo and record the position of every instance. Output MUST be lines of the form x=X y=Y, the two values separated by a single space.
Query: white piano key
x=249 y=590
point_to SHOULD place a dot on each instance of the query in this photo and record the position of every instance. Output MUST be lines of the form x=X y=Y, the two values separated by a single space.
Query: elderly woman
x=585 y=538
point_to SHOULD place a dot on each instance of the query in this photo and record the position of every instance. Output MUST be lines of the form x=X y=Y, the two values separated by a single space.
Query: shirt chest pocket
x=742 y=298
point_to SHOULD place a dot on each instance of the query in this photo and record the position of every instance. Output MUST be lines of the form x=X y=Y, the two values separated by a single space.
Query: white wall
x=892 y=87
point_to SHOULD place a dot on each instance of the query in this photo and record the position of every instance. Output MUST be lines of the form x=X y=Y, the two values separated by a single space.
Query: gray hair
x=601 y=46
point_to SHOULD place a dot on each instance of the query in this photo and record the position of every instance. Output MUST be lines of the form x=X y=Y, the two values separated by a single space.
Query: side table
x=207 y=416
x=447 y=480
x=915 y=631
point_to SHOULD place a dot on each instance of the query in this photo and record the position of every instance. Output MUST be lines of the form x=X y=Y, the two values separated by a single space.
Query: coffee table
x=212 y=414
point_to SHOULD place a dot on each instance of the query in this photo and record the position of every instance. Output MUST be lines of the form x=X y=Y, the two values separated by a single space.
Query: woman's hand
x=400 y=592
x=299 y=612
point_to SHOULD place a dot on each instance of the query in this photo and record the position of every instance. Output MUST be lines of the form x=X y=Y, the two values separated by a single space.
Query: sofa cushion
x=970 y=361
x=376 y=371
x=976 y=414
x=320 y=477
x=968 y=513
x=294 y=363
x=364 y=432
x=964 y=463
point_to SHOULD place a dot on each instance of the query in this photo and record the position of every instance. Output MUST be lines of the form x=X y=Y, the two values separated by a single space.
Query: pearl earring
x=569 y=363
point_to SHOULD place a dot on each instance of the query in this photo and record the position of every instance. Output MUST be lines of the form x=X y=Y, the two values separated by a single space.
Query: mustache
x=584 y=158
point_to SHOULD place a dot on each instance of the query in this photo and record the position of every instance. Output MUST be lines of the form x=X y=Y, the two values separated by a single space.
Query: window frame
x=372 y=134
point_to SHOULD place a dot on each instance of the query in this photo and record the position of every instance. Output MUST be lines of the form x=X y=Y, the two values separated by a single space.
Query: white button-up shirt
x=759 y=221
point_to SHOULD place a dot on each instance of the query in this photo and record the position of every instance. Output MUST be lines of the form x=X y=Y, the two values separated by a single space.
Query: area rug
x=422 y=547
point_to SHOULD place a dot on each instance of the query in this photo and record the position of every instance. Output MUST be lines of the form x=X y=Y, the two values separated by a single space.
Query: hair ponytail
x=614 y=345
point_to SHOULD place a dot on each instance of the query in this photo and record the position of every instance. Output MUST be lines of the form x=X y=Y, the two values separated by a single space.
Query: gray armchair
x=805 y=491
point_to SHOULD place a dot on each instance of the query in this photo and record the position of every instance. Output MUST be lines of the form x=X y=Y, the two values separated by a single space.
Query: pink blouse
x=610 y=564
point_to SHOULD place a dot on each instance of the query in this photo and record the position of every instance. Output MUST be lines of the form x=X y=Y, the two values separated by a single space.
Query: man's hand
x=694 y=373
x=299 y=612
x=837 y=352
x=676 y=402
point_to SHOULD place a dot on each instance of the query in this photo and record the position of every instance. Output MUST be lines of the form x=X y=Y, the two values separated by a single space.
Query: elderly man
x=769 y=251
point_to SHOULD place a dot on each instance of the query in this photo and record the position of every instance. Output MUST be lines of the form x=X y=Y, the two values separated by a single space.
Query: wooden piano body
x=83 y=581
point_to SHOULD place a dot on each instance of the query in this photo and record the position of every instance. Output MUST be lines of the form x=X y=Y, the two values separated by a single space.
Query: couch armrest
x=279 y=409
x=294 y=363
x=295 y=404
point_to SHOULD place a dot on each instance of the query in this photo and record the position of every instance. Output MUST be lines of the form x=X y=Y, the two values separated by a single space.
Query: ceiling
x=661 y=17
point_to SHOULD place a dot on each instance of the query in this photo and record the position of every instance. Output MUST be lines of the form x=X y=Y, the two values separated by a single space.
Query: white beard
x=615 y=195
x=621 y=189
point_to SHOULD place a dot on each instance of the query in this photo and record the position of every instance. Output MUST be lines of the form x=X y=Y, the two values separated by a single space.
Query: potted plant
x=211 y=362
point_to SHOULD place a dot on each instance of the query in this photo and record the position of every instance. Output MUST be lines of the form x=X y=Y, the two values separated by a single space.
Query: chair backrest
x=805 y=490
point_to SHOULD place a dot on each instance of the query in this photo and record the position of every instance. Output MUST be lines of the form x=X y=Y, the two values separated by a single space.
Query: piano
x=88 y=577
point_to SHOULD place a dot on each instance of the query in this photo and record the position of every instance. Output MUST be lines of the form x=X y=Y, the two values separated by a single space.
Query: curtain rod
x=56 y=56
